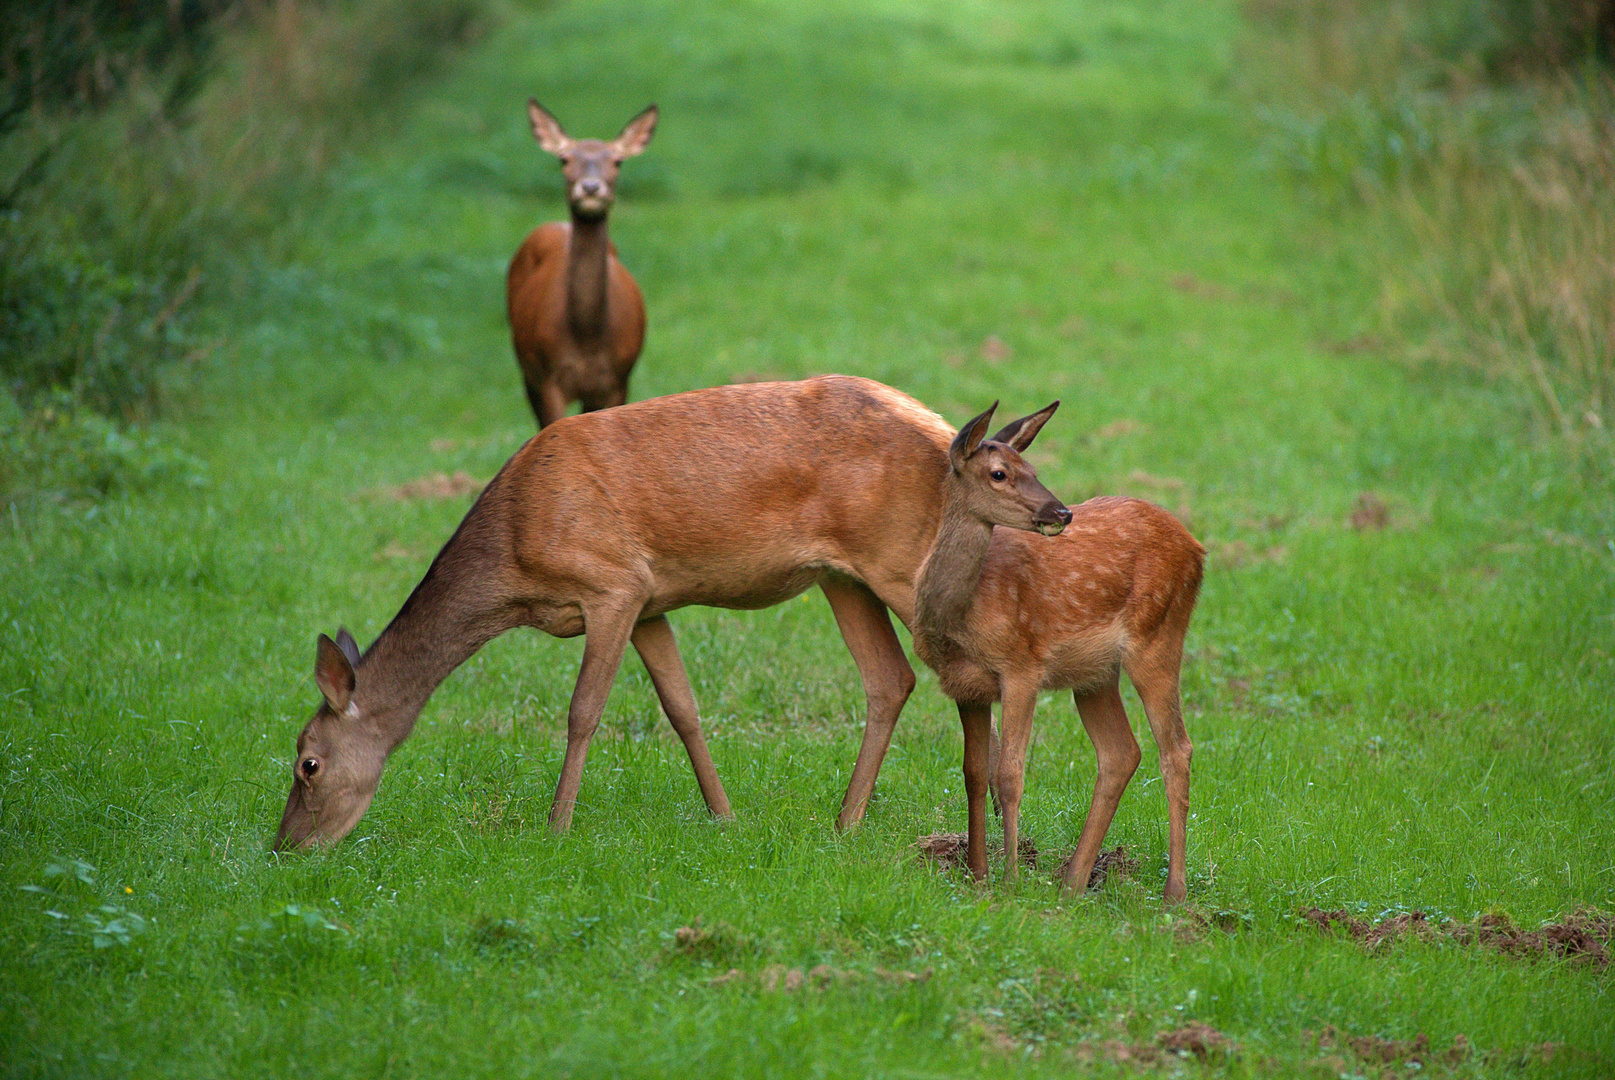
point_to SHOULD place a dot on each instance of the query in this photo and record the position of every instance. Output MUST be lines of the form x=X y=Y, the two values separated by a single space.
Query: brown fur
x=1113 y=592
x=735 y=496
x=577 y=318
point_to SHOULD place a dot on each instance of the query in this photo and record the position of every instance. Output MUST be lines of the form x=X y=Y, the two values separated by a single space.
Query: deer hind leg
x=888 y=680
x=1009 y=777
x=605 y=639
x=1155 y=677
x=653 y=639
x=977 y=720
x=1117 y=755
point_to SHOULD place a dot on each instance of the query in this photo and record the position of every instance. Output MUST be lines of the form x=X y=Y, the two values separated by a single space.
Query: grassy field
x=1399 y=679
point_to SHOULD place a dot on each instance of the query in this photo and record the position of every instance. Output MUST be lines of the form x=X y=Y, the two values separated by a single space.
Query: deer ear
x=636 y=134
x=1020 y=433
x=333 y=674
x=349 y=647
x=547 y=129
x=969 y=438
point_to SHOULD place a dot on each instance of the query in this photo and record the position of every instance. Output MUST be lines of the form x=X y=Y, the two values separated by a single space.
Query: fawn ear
x=333 y=672
x=969 y=438
x=1020 y=433
x=547 y=129
x=635 y=134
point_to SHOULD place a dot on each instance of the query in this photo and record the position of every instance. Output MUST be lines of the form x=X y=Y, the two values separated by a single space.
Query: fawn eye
x=310 y=767
x=1000 y=475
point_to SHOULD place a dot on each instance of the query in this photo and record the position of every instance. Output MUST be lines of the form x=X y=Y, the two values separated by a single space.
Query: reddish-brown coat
x=734 y=496
x=577 y=318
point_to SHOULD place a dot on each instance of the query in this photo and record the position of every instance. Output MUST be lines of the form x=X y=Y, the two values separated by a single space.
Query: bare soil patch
x=777 y=978
x=434 y=486
x=1200 y=1041
x=1585 y=935
x=1372 y=1048
x=948 y=850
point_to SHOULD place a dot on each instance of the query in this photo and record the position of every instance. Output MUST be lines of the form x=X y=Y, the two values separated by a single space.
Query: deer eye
x=1000 y=475
x=310 y=766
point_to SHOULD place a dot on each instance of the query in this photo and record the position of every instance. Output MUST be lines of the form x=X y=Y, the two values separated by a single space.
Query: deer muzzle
x=1052 y=519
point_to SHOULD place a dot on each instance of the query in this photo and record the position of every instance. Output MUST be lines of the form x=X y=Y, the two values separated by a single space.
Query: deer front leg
x=605 y=639
x=653 y=639
x=888 y=680
x=547 y=399
x=976 y=717
x=1116 y=753
x=1019 y=704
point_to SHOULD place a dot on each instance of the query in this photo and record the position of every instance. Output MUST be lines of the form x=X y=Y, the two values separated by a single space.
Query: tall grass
x=129 y=199
x=1487 y=147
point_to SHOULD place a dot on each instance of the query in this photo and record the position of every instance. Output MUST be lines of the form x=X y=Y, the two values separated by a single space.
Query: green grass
x=1411 y=718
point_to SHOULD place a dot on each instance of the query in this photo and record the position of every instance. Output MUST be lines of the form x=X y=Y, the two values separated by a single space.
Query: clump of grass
x=65 y=452
x=1515 y=276
x=1485 y=142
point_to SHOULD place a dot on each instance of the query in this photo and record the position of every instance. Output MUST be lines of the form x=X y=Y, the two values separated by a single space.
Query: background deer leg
x=653 y=639
x=605 y=639
x=1117 y=755
x=610 y=399
x=548 y=403
x=977 y=720
x=888 y=680
x=1020 y=703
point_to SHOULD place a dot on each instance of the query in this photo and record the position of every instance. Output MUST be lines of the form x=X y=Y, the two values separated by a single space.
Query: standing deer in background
x=1001 y=615
x=576 y=315
x=733 y=496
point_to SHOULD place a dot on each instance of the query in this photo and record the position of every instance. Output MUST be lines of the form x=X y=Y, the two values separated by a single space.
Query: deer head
x=590 y=165
x=999 y=486
x=339 y=755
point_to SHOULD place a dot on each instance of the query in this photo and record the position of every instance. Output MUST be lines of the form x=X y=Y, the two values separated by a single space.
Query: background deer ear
x=547 y=129
x=636 y=134
x=333 y=674
x=969 y=438
x=1020 y=433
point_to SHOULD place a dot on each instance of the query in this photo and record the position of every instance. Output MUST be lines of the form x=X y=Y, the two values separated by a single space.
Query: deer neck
x=587 y=270
x=945 y=588
x=451 y=614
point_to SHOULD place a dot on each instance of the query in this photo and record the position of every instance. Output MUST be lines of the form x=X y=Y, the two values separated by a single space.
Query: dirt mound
x=1394 y=1051
x=778 y=977
x=948 y=849
x=1200 y=1041
x=432 y=486
x=1586 y=935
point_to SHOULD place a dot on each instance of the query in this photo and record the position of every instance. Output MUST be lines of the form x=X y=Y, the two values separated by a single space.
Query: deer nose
x=591 y=187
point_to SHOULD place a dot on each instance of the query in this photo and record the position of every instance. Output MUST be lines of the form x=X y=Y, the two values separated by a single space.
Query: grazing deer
x=577 y=319
x=1002 y=615
x=733 y=496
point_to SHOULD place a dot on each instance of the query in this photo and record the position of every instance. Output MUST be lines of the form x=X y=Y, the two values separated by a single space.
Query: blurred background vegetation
x=154 y=153
x=1483 y=134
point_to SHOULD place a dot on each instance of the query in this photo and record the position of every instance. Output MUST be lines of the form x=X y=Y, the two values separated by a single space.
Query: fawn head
x=998 y=485
x=590 y=165
x=339 y=756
